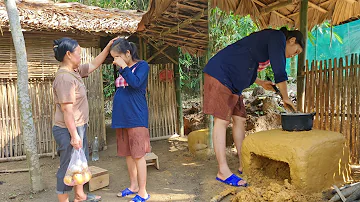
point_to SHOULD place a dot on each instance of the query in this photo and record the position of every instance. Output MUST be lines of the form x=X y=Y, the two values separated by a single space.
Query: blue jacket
x=236 y=65
x=130 y=108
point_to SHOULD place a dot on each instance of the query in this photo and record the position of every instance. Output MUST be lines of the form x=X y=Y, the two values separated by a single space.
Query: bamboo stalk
x=327 y=95
x=321 y=93
x=343 y=94
x=21 y=158
x=312 y=87
x=7 y=136
x=332 y=86
x=337 y=96
x=13 y=115
x=357 y=102
x=2 y=126
x=352 y=109
x=307 y=84
x=318 y=79
x=348 y=101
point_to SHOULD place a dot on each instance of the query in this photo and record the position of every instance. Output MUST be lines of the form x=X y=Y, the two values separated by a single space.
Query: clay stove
x=316 y=159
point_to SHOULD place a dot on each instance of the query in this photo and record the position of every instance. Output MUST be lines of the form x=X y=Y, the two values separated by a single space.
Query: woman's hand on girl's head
x=119 y=62
x=111 y=42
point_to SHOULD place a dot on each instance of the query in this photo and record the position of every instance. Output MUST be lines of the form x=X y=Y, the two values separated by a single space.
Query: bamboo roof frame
x=188 y=19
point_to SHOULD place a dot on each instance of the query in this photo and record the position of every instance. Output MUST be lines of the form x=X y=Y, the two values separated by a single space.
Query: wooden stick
x=339 y=193
x=15 y=170
x=223 y=194
x=21 y=158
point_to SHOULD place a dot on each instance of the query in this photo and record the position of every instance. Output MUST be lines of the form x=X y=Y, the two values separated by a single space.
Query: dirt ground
x=182 y=177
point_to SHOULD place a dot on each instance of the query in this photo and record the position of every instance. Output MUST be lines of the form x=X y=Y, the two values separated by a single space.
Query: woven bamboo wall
x=332 y=90
x=162 y=103
x=41 y=61
x=42 y=66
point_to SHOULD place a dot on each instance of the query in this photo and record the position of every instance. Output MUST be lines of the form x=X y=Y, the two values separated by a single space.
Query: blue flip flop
x=233 y=180
x=126 y=192
x=138 y=198
x=240 y=172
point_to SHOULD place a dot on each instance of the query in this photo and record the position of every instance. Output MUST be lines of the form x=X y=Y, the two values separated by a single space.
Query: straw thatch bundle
x=72 y=17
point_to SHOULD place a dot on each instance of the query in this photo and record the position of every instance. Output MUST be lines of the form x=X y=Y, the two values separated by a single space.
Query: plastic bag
x=78 y=172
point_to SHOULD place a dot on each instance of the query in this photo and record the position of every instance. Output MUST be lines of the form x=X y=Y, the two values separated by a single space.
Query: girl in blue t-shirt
x=130 y=116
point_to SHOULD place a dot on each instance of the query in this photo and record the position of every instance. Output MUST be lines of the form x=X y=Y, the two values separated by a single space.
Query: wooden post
x=208 y=56
x=302 y=56
x=179 y=99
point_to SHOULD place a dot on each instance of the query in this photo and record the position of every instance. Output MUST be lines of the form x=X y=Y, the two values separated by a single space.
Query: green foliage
x=108 y=80
x=228 y=28
x=190 y=71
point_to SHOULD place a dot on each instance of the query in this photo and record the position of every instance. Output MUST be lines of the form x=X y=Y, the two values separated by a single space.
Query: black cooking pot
x=297 y=121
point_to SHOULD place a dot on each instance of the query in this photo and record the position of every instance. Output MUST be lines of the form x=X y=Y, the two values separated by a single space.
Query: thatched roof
x=73 y=17
x=181 y=23
x=277 y=13
x=167 y=21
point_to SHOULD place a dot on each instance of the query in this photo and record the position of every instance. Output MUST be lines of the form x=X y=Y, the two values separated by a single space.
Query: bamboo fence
x=40 y=90
x=332 y=90
x=162 y=103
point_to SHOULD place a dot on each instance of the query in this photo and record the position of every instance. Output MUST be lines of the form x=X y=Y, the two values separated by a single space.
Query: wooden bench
x=152 y=159
x=99 y=179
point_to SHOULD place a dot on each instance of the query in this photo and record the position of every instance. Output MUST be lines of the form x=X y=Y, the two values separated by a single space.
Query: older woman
x=72 y=110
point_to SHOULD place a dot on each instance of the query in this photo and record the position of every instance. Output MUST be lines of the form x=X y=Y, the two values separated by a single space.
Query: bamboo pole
x=302 y=56
x=317 y=93
x=2 y=122
x=357 y=102
x=337 y=96
x=327 y=94
x=7 y=138
x=321 y=95
x=179 y=100
x=332 y=86
x=307 y=89
x=12 y=108
x=352 y=109
x=348 y=101
x=343 y=94
x=312 y=86
x=21 y=158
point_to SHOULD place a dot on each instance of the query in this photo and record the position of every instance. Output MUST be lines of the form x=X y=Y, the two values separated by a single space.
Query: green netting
x=345 y=40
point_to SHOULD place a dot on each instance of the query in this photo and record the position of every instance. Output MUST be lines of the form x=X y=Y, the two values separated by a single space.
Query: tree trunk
x=27 y=123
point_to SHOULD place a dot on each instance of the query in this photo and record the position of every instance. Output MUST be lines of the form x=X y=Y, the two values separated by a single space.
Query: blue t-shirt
x=236 y=65
x=130 y=108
